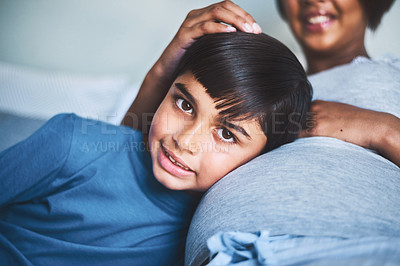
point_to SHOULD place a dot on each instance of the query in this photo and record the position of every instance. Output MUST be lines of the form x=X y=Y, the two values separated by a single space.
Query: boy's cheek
x=214 y=167
x=163 y=121
x=156 y=126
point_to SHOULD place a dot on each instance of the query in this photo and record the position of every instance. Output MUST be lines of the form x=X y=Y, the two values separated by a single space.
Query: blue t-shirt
x=82 y=192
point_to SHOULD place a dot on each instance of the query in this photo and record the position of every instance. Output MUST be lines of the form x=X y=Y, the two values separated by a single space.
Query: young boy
x=82 y=192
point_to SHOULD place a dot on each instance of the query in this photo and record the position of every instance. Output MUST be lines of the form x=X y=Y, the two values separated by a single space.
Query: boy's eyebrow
x=237 y=128
x=183 y=89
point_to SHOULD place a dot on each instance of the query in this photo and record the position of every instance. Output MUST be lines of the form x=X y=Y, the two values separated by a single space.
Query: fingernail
x=257 y=28
x=247 y=27
x=230 y=29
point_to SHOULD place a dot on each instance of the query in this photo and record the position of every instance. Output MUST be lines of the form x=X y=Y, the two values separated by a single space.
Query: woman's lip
x=318 y=27
x=307 y=17
x=317 y=21
x=170 y=167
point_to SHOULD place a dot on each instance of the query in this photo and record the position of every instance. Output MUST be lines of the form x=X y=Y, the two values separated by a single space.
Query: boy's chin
x=168 y=181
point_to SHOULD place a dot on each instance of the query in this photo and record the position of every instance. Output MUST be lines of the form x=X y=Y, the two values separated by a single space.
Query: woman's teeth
x=176 y=163
x=318 y=19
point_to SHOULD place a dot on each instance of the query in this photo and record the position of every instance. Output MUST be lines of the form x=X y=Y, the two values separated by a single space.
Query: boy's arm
x=367 y=128
x=158 y=80
x=28 y=169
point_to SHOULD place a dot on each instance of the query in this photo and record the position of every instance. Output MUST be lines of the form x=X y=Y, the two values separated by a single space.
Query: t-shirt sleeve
x=28 y=168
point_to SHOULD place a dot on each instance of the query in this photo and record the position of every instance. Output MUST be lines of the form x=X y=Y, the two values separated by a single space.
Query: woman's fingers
x=226 y=12
x=208 y=20
x=220 y=17
x=189 y=35
x=242 y=14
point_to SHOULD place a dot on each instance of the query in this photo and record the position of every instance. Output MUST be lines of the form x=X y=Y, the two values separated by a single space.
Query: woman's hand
x=158 y=80
x=370 y=129
x=204 y=21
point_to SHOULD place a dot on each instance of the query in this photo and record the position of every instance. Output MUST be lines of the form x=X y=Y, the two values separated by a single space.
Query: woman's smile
x=332 y=29
x=317 y=21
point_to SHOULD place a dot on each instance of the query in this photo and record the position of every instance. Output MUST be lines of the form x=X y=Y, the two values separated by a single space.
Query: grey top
x=371 y=84
x=315 y=186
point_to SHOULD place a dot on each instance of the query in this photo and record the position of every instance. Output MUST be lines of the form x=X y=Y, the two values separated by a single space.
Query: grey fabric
x=349 y=192
x=371 y=84
x=316 y=186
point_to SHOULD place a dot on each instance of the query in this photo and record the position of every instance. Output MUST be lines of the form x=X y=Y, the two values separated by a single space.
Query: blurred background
x=126 y=36
x=89 y=57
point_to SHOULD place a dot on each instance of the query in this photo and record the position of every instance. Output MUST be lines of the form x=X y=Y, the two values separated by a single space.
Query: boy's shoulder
x=61 y=119
x=91 y=127
x=89 y=140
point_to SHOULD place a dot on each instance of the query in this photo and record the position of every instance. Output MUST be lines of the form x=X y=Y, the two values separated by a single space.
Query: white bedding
x=40 y=94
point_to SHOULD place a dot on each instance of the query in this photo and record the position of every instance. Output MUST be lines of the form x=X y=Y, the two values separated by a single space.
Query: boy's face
x=191 y=146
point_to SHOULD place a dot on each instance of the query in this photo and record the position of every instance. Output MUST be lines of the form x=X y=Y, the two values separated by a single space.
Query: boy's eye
x=225 y=135
x=184 y=105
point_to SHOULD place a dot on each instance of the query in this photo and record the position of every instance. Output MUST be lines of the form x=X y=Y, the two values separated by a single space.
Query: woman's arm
x=158 y=80
x=374 y=130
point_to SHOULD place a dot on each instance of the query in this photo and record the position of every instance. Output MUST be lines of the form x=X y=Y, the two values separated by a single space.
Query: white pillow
x=41 y=94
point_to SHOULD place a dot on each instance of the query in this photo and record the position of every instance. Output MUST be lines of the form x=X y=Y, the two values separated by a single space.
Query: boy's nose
x=190 y=138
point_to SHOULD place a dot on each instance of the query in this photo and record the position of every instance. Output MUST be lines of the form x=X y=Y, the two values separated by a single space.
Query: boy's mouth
x=174 y=161
x=173 y=164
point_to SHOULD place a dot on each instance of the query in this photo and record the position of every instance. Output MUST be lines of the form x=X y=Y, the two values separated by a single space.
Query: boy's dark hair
x=252 y=76
x=373 y=9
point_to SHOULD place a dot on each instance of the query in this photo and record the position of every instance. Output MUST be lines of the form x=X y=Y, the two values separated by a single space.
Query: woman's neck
x=320 y=61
